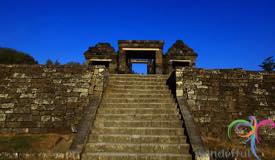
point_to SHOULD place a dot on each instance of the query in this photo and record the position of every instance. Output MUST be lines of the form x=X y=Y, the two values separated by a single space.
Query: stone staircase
x=137 y=119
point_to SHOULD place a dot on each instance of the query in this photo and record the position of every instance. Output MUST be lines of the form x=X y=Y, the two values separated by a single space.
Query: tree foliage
x=12 y=56
x=72 y=63
x=49 y=62
x=268 y=64
x=57 y=63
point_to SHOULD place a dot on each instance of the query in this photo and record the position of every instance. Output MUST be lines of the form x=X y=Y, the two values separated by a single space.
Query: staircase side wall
x=217 y=97
x=43 y=99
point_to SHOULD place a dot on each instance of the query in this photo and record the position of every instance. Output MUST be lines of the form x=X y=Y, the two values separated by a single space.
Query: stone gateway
x=149 y=52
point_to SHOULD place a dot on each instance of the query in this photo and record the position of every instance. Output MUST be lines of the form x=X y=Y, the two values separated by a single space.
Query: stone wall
x=217 y=97
x=41 y=99
x=40 y=156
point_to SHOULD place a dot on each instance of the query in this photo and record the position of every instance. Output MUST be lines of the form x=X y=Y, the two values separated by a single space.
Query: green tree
x=57 y=63
x=268 y=64
x=49 y=62
x=12 y=56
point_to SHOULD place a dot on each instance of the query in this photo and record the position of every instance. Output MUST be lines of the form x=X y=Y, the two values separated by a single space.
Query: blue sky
x=225 y=34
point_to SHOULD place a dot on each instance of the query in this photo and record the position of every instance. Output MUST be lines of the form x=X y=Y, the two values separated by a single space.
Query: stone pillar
x=159 y=62
x=98 y=78
x=150 y=67
x=122 y=61
x=129 y=67
x=113 y=64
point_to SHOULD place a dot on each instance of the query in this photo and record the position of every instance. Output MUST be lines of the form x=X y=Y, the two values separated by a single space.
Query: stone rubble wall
x=42 y=99
x=39 y=156
x=217 y=97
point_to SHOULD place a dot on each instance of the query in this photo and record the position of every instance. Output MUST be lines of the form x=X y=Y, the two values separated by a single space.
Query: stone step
x=135 y=156
x=127 y=95
x=149 y=87
x=148 y=79
x=138 y=91
x=137 y=148
x=122 y=138
x=161 y=124
x=109 y=110
x=139 y=100
x=138 y=105
x=138 y=131
x=137 y=117
x=138 y=75
x=122 y=82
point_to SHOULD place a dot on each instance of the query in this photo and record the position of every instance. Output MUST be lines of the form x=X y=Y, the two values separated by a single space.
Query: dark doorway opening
x=180 y=64
x=105 y=63
x=141 y=61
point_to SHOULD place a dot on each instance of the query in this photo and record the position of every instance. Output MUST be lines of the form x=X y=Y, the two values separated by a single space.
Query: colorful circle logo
x=249 y=130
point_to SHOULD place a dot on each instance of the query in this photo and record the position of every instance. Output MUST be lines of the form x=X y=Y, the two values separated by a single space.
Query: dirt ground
x=35 y=142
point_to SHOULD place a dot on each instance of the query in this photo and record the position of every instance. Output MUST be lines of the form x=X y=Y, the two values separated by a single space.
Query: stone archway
x=150 y=51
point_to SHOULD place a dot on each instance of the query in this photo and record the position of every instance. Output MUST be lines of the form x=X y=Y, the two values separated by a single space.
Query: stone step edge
x=154 y=103
x=182 y=137
x=137 y=144
x=141 y=121
x=120 y=82
x=139 y=77
x=142 y=75
x=106 y=106
x=139 y=136
x=142 y=94
x=137 y=98
x=99 y=121
x=130 y=74
x=137 y=85
x=137 y=128
x=138 y=80
x=135 y=154
x=162 y=78
x=145 y=114
x=125 y=109
x=138 y=90
x=134 y=80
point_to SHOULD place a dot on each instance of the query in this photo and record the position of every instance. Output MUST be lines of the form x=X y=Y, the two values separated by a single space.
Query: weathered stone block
x=29 y=95
x=2 y=117
x=46 y=118
x=3 y=95
x=191 y=102
x=7 y=105
x=8 y=156
x=72 y=99
x=202 y=86
x=82 y=90
x=59 y=119
x=179 y=93
x=84 y=94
